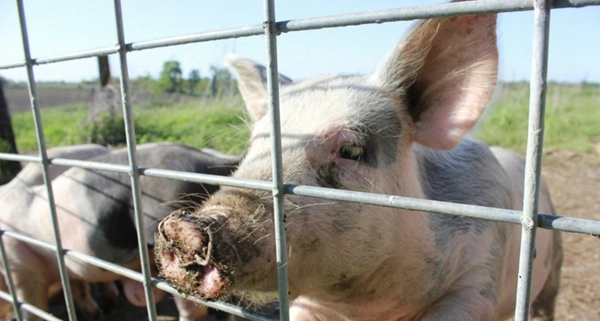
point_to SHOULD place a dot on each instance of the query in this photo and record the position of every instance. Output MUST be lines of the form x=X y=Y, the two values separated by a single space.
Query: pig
x=399 y=131
x=95 y=215
x=31 y=175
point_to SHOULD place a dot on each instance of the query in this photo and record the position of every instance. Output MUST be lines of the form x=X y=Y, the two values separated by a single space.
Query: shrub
x=107 y=130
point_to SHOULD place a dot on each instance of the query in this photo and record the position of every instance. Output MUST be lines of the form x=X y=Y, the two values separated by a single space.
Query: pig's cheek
x=353 y=174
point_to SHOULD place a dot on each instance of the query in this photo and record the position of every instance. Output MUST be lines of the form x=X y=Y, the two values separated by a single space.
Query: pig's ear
x=252 y=82
x=445 y=70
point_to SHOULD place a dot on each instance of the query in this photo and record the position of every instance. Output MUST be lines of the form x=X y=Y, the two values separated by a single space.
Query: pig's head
x=344 y=132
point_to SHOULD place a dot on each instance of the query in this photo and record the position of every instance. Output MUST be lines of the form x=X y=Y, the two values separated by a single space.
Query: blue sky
x=62 y=26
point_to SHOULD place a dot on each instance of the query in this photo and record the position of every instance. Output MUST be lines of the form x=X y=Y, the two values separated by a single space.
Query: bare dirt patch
x=574 y=182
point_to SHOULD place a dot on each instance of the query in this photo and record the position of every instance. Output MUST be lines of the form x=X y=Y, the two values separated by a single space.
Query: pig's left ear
x=445 y=71
x=252 y=82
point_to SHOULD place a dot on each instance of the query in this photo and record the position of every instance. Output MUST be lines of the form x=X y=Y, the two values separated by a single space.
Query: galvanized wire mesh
x=271 y=28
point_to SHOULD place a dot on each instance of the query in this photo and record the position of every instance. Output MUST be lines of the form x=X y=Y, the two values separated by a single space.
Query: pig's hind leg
x=543 y=306
x=33 y=290
x=84 y=302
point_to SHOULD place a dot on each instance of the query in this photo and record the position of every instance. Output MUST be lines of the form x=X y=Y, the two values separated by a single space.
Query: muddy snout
x=185 y=254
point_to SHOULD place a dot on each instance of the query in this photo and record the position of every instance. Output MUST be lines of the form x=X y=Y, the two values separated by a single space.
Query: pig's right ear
x=445 y=71
x=252 y=82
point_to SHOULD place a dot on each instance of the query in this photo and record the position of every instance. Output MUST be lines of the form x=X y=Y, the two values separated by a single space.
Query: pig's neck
x=406 y=243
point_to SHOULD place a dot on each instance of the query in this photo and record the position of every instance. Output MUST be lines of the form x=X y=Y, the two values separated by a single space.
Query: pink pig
x=398 y=131
x=95 y=214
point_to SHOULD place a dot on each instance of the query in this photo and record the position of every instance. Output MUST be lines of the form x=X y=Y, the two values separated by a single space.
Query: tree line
x=171 y=80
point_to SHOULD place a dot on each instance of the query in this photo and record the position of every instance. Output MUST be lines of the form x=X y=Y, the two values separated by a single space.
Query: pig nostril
x=203 y=258
x=207 y=250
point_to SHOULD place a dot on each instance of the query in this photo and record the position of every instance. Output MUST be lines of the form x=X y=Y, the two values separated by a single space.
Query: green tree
x=193 y=80
x=170 y=80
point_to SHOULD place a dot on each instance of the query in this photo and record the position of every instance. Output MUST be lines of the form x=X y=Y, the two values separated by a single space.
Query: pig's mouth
x=184 y=248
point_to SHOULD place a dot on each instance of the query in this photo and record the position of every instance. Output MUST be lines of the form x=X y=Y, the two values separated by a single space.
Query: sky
x=63 y=26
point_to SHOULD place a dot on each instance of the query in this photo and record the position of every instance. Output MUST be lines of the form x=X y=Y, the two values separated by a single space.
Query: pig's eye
x=352 y=152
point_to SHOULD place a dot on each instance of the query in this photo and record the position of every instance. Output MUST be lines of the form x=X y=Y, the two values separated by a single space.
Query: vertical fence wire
x=37 y=119
x=533 y=166
x=9 y=280
x=133 y=169
x=270 y=26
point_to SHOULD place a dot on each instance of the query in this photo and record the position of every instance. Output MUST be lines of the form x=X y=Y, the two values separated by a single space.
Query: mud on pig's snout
x=184 y=248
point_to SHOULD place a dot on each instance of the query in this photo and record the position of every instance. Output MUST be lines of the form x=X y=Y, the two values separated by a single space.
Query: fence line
x=528 y=218
x=546 y=221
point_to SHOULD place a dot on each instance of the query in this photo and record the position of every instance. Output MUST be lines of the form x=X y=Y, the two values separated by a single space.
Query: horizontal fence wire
x=29 y=307
x=553 y=222
x=334 y=21
x=370 y=17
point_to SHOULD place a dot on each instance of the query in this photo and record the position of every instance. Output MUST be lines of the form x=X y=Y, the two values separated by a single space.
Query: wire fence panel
x=529 y=218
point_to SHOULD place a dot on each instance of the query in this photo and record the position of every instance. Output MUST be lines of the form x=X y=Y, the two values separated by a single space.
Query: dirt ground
x=574 y=182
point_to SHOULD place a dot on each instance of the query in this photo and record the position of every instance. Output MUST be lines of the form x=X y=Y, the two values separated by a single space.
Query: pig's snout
x=184 y=251
x=193 y=243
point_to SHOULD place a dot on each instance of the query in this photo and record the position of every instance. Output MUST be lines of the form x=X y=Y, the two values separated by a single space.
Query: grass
x=216 y=124
x=61 y=127
x=572 y=119
x=572 y=122
x=219 y=125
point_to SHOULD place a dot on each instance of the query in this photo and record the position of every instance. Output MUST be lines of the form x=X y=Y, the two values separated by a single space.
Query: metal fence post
x=133 y=168
x=37 y=118
x=270 y=26
x=533 y=167
x=9 y=280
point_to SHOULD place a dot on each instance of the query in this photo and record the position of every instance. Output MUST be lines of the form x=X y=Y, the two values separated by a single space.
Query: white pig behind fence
x=400 y=132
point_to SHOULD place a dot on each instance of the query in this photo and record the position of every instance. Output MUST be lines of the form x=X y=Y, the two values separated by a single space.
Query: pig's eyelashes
x=352 y=152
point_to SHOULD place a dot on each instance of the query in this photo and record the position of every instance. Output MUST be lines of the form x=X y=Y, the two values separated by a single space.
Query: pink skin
x=24 y=209
x=135 y=294
x=396 y=132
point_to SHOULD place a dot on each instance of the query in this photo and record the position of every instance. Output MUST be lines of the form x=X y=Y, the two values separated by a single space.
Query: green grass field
x=217 y=124
x=572 y=119
x=572 y=122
